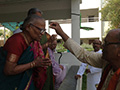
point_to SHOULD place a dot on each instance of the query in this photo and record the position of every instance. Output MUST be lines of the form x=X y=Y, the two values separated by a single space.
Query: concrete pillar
x=101 y=23
x=75 y=17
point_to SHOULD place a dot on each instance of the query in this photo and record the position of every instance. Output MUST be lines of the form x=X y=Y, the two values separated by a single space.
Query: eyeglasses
x=108 y=43
x=96 y=43
x=41 y=30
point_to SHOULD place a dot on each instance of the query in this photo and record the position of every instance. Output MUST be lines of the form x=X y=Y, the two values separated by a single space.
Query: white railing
x=94 y=19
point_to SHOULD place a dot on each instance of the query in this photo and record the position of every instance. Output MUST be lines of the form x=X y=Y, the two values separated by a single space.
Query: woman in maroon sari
x=16 y=67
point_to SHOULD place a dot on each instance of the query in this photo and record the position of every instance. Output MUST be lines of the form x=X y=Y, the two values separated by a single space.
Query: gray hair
x=30 y=19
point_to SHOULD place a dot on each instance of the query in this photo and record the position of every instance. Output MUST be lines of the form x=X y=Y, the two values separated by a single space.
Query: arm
x=81 y=69
x=95 y=70
x=12 y=68
x=59 y=31
x=84 y=56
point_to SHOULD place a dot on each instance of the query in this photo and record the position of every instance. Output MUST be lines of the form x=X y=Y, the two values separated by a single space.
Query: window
x=91 y=18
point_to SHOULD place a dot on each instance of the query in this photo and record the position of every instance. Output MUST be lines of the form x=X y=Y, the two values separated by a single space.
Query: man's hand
x=61 y=67
x=87 y=71
x=77 y=76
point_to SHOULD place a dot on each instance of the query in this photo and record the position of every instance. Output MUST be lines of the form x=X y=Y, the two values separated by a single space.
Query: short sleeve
x=15 y=44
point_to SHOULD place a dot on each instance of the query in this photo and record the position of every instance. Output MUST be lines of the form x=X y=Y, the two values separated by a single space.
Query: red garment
x=105 y=73
x=113 y=81
x=39 y=73
x=15 y=44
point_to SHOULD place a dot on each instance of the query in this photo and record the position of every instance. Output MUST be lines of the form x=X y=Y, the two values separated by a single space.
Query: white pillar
x=47 y=26
x=75 y=18
x=101 y=23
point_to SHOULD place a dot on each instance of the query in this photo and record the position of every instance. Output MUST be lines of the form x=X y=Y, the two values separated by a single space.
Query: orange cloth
x=114 y=80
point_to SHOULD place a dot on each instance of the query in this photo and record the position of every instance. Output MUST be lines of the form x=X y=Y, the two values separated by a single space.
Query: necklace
x=26 y=40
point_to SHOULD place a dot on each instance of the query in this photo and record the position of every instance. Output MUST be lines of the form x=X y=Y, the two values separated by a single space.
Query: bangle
x=32 y=64
x=46 y=44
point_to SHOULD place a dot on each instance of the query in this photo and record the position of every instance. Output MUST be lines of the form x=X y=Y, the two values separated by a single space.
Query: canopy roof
x=14 y=11
x=12 y=25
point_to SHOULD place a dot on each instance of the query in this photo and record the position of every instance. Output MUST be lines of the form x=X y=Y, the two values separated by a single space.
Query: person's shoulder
x=17 y=35
x=17 y=31
x=16 y=38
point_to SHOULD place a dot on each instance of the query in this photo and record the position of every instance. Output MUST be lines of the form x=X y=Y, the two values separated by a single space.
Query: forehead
x=40 y=22
x=96 y=41
x=113 y=36
x=55 y=42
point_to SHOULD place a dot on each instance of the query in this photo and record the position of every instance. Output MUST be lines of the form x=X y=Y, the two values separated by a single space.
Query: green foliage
x=111 y=12
x=8 y=33
x=87 y=47
x=60 y=47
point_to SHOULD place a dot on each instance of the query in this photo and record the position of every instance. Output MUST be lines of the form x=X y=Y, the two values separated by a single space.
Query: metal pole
x=4 y=36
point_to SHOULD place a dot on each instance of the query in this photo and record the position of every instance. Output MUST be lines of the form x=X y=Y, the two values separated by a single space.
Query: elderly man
x=109 y=60
x=93 y=73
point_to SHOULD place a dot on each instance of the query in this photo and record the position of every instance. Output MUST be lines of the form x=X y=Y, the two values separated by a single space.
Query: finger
x=46 y=62
x=53 y=25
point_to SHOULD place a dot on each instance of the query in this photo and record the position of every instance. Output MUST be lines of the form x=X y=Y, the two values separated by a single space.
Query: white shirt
x=93 y=77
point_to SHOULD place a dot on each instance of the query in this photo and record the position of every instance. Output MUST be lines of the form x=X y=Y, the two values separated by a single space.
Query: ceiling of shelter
x=14 y=11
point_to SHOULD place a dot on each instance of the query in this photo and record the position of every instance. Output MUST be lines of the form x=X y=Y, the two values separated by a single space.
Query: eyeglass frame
x=108 y=43
x=96 y=43
x=41 y=30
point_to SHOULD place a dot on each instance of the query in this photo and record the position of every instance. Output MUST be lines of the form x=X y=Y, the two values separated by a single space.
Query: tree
x=111 y=12
x=8 y=33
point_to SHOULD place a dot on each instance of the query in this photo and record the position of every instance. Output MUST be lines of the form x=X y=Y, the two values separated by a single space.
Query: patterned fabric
x=57 y=71
x=49 y=81
x=39 y=73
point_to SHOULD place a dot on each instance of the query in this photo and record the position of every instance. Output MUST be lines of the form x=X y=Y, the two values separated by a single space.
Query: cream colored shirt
x=91 y=58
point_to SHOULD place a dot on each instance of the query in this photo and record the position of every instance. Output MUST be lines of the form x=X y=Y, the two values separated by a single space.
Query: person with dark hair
x=109 y=60
x=34 y=11
x=17 y=58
